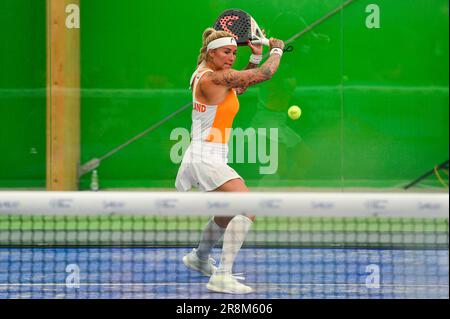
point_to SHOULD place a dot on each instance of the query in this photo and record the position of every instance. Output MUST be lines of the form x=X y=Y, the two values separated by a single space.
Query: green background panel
x=395 y=109
x=374 y=101
x=22 y=93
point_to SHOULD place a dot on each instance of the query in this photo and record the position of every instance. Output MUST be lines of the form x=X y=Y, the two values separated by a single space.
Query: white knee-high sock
x=232 y=242
x=210 y=236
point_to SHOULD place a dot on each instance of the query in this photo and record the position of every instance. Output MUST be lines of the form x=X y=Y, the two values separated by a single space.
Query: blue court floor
x=158 y=273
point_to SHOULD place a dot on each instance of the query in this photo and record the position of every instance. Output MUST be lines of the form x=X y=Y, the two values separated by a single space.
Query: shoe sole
x=194 y=268
x=221 y=290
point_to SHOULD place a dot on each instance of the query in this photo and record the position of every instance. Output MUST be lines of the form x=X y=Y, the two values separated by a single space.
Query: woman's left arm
x=257 y=49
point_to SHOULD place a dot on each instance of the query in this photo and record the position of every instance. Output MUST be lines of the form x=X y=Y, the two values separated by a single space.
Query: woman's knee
x=223 y=221
x=234 y=185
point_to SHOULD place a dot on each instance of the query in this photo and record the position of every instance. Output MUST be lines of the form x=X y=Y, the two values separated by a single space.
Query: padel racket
x=241 y=26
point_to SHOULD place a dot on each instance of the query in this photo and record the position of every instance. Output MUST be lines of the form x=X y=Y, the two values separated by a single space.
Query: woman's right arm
x=246 y=78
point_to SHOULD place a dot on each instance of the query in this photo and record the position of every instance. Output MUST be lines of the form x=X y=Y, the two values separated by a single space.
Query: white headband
x=222 y=42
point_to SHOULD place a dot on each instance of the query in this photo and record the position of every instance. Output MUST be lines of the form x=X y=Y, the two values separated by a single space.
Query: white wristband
x=277 y=51
x=256 y=59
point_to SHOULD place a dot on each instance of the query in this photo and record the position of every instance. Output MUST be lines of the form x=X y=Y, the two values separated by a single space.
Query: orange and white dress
x=205 y=163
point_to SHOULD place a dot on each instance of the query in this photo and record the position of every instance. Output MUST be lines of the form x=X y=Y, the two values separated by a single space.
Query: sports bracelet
x=277 y=51
x=256 y=59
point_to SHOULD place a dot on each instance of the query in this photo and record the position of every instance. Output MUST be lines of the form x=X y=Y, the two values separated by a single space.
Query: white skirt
x=204 y=166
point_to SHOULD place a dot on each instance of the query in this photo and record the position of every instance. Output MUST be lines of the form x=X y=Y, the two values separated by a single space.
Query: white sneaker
x=206 y=267
x=225 y=282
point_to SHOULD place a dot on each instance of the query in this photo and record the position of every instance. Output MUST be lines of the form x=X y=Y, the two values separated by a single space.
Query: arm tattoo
x=242 y=90
x=266 y=70
x=251 y=66
x=246 y=78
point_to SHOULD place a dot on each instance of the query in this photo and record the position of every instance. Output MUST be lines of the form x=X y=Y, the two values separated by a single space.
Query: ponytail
x=209 y=35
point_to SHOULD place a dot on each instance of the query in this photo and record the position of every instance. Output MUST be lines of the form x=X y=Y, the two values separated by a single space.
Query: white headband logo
x=222 y=42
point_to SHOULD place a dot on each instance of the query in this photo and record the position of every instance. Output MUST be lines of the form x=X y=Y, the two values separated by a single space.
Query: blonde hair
x=210 y=35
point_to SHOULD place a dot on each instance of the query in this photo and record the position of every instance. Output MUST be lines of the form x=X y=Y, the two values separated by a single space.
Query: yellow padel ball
x=294 y=112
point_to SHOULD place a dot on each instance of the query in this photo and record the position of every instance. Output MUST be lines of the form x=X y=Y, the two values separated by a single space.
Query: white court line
x=198 y=284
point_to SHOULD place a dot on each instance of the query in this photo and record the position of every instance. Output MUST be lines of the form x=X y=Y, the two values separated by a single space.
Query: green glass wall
x=374 y=101
x=22 y=93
